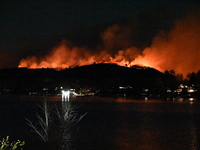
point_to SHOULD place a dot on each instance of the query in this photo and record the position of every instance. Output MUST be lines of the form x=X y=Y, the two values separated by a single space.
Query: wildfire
x=177 y=50
x=64 y=57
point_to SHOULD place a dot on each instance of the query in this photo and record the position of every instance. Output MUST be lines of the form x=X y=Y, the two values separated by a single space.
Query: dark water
x=112 y=123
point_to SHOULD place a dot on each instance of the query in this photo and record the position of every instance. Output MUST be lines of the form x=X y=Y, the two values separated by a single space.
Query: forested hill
x=101 y=71
x=90 y=76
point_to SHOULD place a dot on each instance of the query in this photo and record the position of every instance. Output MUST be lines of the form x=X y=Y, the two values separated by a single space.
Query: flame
x=64 y=57
x=177 y=50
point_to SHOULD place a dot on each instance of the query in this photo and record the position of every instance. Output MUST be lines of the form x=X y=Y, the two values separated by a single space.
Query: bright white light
x=181 y=86
x=190 y=90
x=191 y=99
x=65 y=95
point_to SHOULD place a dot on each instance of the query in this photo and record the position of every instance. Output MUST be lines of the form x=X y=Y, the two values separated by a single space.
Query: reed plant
x=42 y=125
x=68 y=116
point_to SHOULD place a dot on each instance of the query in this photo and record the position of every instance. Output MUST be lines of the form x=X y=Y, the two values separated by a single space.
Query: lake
x=112 y=123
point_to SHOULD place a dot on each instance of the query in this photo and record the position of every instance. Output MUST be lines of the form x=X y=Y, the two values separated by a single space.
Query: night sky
x=33 y=27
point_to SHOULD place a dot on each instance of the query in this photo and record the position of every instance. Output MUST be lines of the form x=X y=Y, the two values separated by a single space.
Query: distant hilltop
x=94 y=71
x=95 y=77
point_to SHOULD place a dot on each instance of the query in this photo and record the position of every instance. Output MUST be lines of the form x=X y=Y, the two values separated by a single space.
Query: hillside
x=96 y=76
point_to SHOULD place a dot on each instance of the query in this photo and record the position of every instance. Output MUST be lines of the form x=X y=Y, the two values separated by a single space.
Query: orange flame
x=64 y=57
x=179 y=50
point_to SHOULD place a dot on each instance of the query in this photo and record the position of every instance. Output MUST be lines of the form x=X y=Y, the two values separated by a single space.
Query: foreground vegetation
x=5 y=144
x=68 y=117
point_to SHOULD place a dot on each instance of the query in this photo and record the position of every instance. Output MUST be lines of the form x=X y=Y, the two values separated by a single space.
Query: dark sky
x=33 y=27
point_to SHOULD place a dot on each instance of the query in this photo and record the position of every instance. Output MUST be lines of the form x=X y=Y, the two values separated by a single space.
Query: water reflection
x=194 y=134
x=141 y=133
x=145 y=100
x=135 y=131
x=189 y=100
x=156 y=125
x=128 y=124
x=194 y=139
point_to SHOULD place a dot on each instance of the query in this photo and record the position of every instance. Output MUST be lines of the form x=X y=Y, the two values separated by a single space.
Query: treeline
x=104 y=78
x=192 y=79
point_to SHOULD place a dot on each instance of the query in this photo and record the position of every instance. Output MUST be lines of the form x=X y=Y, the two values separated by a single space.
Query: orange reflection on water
x=142 y=137
x=145 y=100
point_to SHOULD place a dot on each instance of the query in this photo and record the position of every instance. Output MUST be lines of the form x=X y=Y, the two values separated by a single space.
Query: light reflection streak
x=65 y=95
x=145 y=100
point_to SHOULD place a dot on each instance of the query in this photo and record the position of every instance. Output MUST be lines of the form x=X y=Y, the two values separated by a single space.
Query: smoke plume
x=177 y=50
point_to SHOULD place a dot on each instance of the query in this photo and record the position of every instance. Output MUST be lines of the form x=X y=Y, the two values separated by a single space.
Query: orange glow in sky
x=177 y=50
